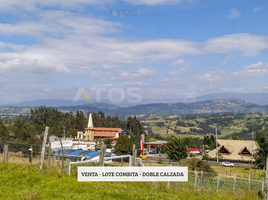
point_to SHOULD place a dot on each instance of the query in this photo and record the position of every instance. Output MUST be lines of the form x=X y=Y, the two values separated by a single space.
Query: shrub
x=196 y=164
x=175 y=149
x=205 y=157
x=160 y=161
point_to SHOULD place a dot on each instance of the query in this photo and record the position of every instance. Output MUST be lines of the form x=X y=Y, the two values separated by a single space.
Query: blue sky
x=50 y=50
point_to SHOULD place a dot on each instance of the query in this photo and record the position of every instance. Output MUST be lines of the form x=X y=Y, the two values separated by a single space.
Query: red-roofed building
x=193 y=150
x=196 y=152
x=92 y=133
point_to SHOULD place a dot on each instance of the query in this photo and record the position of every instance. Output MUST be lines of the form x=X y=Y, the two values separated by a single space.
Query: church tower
x=90 y=129
x=90 y=121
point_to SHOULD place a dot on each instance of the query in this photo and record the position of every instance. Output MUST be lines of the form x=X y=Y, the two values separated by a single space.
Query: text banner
x=133 y=174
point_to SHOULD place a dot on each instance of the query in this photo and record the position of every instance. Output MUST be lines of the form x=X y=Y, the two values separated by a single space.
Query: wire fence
x=198 y=178
x=26 y=153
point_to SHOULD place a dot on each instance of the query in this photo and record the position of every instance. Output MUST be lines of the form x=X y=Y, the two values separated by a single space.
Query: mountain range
x=200 y=107
x=255 y=98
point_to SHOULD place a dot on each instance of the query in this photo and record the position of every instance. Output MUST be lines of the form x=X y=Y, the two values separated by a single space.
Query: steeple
x=90 y=121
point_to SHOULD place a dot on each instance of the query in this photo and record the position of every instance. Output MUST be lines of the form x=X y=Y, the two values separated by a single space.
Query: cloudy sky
x=131 y=49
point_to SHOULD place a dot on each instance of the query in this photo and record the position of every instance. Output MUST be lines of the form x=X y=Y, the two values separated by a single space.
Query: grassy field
x=257 y=174
x=228 y=131
x=235 y=125
x=18 y=181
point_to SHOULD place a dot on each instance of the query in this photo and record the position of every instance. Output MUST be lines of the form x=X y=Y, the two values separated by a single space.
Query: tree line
x=27 y=128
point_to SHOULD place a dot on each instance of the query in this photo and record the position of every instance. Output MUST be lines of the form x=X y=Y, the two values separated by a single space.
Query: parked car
x=227 y=164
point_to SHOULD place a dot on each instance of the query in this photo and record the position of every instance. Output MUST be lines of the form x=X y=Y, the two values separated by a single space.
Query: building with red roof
x=93 y=133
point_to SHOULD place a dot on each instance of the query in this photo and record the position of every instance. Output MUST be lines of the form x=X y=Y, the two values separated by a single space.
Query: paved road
x=155 y=158
x=236 y=165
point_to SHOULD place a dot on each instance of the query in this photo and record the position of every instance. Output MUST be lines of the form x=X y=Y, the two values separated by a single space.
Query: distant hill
x=47 y=103
x=209 y=106
x=257 y=98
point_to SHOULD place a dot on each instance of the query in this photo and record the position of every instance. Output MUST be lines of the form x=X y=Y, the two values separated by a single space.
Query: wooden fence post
x=249 y=182
x=5 y=153
x=62 y=159
x=43 y=148
x=135 y=158
x=218 y=182
x=101 y=158
x=266 y=182
x=133 y=155
x=168 y=183
x=195 y=178
x=31 y=159
x=131 y=161
x=234 y=183
x=262 y=185
x=58 y=160
x=49 y=154
x=202 y=181
x=68 y=166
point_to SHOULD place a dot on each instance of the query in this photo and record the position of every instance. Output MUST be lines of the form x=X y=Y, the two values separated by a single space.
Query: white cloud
x=258 y=65
x=254 y=70
x=35 y=5
x=210 y=76
x=180 y=66
x=257 y=9
x=80 y=45
x=234 y=14
x=138 y=73
x=154 y=2
x=249 y=73
x=87 y=47
x=181 y=63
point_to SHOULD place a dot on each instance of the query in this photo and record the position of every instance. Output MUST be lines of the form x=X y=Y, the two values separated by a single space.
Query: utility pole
x=64 y=131
x=217 y=144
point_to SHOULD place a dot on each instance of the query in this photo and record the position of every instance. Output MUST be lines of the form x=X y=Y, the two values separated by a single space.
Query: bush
x=160 y=161
x=175 y=149
x=123 y=145
x=196 y=164
x=205 y=157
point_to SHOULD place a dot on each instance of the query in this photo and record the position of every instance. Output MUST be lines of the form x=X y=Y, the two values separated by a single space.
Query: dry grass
x=28 y=182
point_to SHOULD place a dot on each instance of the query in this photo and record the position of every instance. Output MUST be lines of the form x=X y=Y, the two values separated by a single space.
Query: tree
x=176 y=150
x=4 y=135
x=262 y=151
x=123 y=145
x=71 y=132
x=108 y=143
x=23 y=132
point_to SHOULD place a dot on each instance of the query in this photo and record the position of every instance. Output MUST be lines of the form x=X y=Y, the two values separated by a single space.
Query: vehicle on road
x=227 y=164
x=143 y=156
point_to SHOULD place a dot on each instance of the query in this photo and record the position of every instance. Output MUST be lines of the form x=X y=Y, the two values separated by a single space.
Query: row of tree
x=27 y=129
